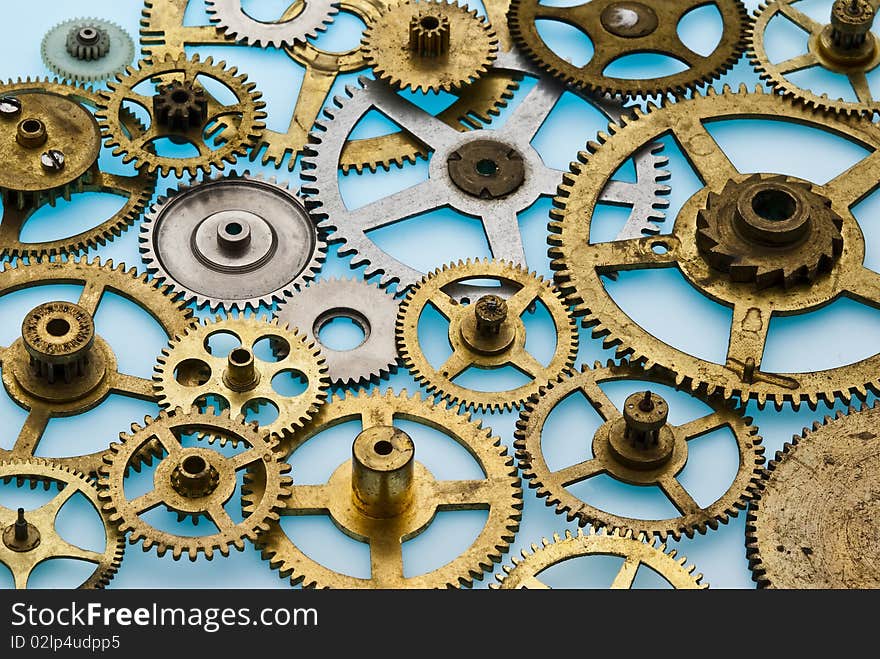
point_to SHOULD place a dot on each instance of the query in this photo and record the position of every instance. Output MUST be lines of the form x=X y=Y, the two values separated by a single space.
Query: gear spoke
x=445 y=304
x=146 y=502
x=857 y=182
x=748 y=336
x=22 y=576
x=68 y=550
x=245 y=458
x=386 y=557
x=704 y=154
x=427 y=128
x=412 y=201
x=865 y=287
x=859 y=83
x=91 y=296
x=525 y=361
x=168 y=440
x=519 y=302
x=220 y=517
x=704 y=425
x=528 y=117
x=51 y=509
x=679 y=496
x=32 y=431
x=630 y=254
x=627 y=574
x=134 y=386
x=799 y=18
x=501 y=226
x=797 y=63
x=308 y=500
x=579 y=472
x=599 y=400
x=463 y=495
x=455 y=365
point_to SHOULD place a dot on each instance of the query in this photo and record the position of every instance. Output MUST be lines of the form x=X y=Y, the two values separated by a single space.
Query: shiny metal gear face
x=367 y=306
x=233 y=241
x=636 y=445
x=512 y=184
x=244 y=117
x=813 y=525
x=635 y=552
x=194 y=480
x=59 y=367
x=617 y=29
x=87 y=49
x=163 y=33
x=234 y=22
x=384 y=496
x=52 y=104
x=485 y=333
x=845 y=46
x=429 y=46
x=187 y=373
x=31 y=537
x=804 y=212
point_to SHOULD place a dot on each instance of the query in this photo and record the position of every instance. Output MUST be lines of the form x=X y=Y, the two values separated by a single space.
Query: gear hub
x=88 y=42
x=180 y=106
x=770 y=231
x=486 y=168
x=429 y=35
x=21 y=535
x=383 y=468
x=847 y=38
x=642 y=439
x=58 y=337
x=194 y=477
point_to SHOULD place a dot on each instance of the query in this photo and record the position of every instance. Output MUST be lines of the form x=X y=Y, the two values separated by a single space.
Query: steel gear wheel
x=28 y=386
x=232 y=242
x=138 y=146
x=812 y=524
x=617 y=29
x=19 y=205
x=830 y=46
x=488 y=333
x=429 y=46
x=637 y=446
x=194 y=481
x=515 y=175
x=636 y=551
x=31 y=537
x=580 y=265
x=187 y=373
x=367 y=306
x=87 y=49
x=231 y=19
x=383 y=496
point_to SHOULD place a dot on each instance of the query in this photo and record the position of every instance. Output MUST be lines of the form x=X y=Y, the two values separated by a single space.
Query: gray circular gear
x=232 y=242
x=229 y=16
x=366 y=305
x=58 y=58
x=496 y=208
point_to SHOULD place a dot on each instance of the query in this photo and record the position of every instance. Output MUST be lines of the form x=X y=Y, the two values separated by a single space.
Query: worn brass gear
x=636 y=551
x=429 y=46
x=637 y=446
x=211 y=476
x=488 y=333
x=618 y=29
x=579 y=265
x=186 y=372
x=19 y=205
x=845 y=46
x=31 y=537
x=24 y=376
x=163 y=32
x=238 y=134
x=384 y=496
x=813 y=523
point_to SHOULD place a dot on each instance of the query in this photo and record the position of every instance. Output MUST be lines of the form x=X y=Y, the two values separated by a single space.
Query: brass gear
x=163 y=32
x=813 y=523
x=29 y=387
x=388 y=497
x=617 y=29
x=44 y=186
x=636 y=551
x=161 y=438
x=487 y=334
x=580 y=265
x=429 y=46
x=639 y=447
x=186 y=372
x=236 y=138
x=31 y=537
x=853 y=59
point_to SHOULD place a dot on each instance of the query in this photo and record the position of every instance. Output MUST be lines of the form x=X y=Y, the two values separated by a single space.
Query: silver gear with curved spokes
x=516 y=177
x=230 y=17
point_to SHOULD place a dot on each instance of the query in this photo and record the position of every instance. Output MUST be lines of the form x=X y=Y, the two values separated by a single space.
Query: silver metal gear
x=87 y=49
x=515 y=179
x=229 y=17
x=369 y=307
x=233 y=241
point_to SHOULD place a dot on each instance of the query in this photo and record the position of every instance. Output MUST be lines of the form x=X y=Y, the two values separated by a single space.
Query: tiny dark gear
x=179 y=106
x=490 y=312
x=88 y=42
x=486 y=168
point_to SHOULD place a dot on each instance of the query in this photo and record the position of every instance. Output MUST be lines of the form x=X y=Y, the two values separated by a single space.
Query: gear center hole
x=383 y=447
x=240 y=356
x=31 y=126
x=194 y=464
x=341 y=332
x=233 y=228
x=180 y=96
x=429 y=22
x=774 y=205
x=486 y=167
x=58 y=327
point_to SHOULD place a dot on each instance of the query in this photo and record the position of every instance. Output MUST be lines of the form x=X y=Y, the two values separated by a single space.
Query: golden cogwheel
x=800 y=222
x=60 y=366
x=383 y=496
x=49 y=147
x=30 y=537
x=636 y=445
x=619 y=28
x=844 y=46
x=430 y=45
x=635 y=551
x=813 y=524
x=488 y=333
x=187 y=373
x=194 y=480
x=181 y=110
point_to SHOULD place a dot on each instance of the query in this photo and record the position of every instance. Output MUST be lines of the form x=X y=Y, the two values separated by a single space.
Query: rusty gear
x=179 y=106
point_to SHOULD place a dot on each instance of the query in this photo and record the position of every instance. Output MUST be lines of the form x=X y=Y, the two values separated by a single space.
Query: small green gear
x=112 y=51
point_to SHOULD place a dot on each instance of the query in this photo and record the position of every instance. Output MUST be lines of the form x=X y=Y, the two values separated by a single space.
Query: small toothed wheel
x=180 y=106
x=88 y=42
x=87 y=49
